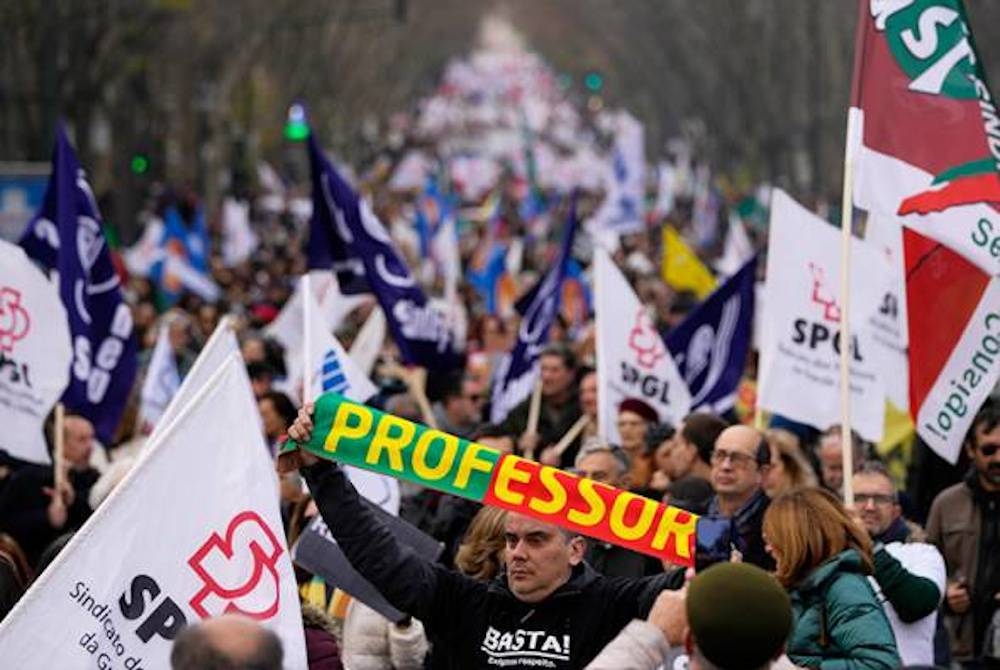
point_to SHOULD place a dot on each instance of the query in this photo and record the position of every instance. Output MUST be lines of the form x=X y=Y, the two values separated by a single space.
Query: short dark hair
x=283 y=405
x=702 y=429
x=491 y=430
x=257 y=370
x=987 y=418
x=563 y=352
x=657 y=434
x=873 y=467
x=193 y=650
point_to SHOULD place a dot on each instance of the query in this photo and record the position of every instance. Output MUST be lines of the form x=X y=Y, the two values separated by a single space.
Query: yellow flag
x=682 y=269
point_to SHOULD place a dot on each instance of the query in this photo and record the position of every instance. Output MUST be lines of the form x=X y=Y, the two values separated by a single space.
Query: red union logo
x=821 y=294
x=15 y=322
x=239 y=571
x=645 y=341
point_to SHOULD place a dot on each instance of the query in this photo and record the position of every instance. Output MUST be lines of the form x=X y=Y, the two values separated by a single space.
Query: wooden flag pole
x=59 y=449
x=846 y=225
x=571 y=434
x=307 y=298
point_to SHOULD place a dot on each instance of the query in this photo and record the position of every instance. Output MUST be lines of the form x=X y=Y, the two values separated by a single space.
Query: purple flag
x=421 y=332
x=66 y=236
x=538 y=307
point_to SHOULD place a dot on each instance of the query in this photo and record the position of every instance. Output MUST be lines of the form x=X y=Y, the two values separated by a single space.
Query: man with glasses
x=609 y=464
x=909 y=573
x=964 y=523
x=739 y=462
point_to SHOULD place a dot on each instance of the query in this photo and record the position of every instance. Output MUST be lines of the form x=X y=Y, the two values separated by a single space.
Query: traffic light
x=593 y=81
x=139 y=164
x=296 y=128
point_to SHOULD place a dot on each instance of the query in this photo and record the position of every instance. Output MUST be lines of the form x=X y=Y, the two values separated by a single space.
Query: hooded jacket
x=839 y=624
x=476 y=624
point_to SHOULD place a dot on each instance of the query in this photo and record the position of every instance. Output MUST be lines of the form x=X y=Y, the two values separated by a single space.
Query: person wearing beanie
x=634 y=419
x=732 y=616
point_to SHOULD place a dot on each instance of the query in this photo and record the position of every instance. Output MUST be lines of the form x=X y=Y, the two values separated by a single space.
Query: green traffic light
x=297 y=127
x=296 y=132
x=139 y=164
x=593 y=81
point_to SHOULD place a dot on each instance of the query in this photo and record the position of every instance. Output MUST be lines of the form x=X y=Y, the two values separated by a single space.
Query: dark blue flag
x=327 y=247
x=516 y=373
x=710 y=346
x=421 y=332
x=65 y=236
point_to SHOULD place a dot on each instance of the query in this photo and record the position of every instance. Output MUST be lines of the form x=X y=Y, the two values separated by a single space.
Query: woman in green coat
x=823 y=558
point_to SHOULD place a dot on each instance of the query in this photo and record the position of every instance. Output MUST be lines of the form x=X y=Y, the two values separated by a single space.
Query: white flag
x=738 y=248
x=889 y=321
x=632 y=359
x=238 y=238
x=35 y=354
x=156 y=556
x=623 y=207
x=334 y=307
x=799 y=361
x=162 y=380
x=331 y=369
x=368 y=343
x=219 y=348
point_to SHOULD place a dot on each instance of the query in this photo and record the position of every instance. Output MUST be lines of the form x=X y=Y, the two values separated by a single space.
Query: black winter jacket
x=475 y=624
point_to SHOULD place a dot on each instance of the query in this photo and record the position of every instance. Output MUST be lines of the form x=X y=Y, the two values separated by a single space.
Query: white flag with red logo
x=35 y=354
x=156 y=556
x=799 y=374
x=632 y=359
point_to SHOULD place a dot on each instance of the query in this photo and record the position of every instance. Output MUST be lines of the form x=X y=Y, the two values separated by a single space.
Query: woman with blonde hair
x=480 y=555
x=790 y=469
x=823 y=558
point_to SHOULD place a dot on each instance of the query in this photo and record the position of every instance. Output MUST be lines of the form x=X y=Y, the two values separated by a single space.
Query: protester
x=563 y=453
x=830 y=454
x=573 y=611
x=371 y=642
x=609 y=464
x=229 y=641
x=822 y=558
x=277 y=413
x=964 y=524
x=790 y=469
x=740 y=462
x=457 y=412
x=733 y=616
x=32 y=511
x=322 y=649
x=909 y=573
x=480 y=555
x=690 y=452
x=560 y=406
x=634 y=419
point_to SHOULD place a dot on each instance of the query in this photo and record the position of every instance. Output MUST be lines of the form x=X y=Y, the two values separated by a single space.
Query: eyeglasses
x=737 y=458
x=879 y=499
x=988 y=450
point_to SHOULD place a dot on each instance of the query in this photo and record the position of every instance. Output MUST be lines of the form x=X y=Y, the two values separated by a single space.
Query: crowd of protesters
x=908 y=575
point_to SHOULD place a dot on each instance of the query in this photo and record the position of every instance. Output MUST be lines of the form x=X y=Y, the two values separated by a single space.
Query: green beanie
x=740 y=616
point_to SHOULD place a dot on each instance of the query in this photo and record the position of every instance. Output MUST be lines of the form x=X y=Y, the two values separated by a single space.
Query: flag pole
x=59 y=449
x=534 y=412
x=846 y=220
x=306 y=287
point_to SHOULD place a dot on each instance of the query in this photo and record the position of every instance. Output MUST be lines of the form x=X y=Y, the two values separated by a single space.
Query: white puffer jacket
x=372 y=642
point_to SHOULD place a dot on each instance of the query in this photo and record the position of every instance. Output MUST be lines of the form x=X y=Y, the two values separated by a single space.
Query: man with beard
x=964 y=523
